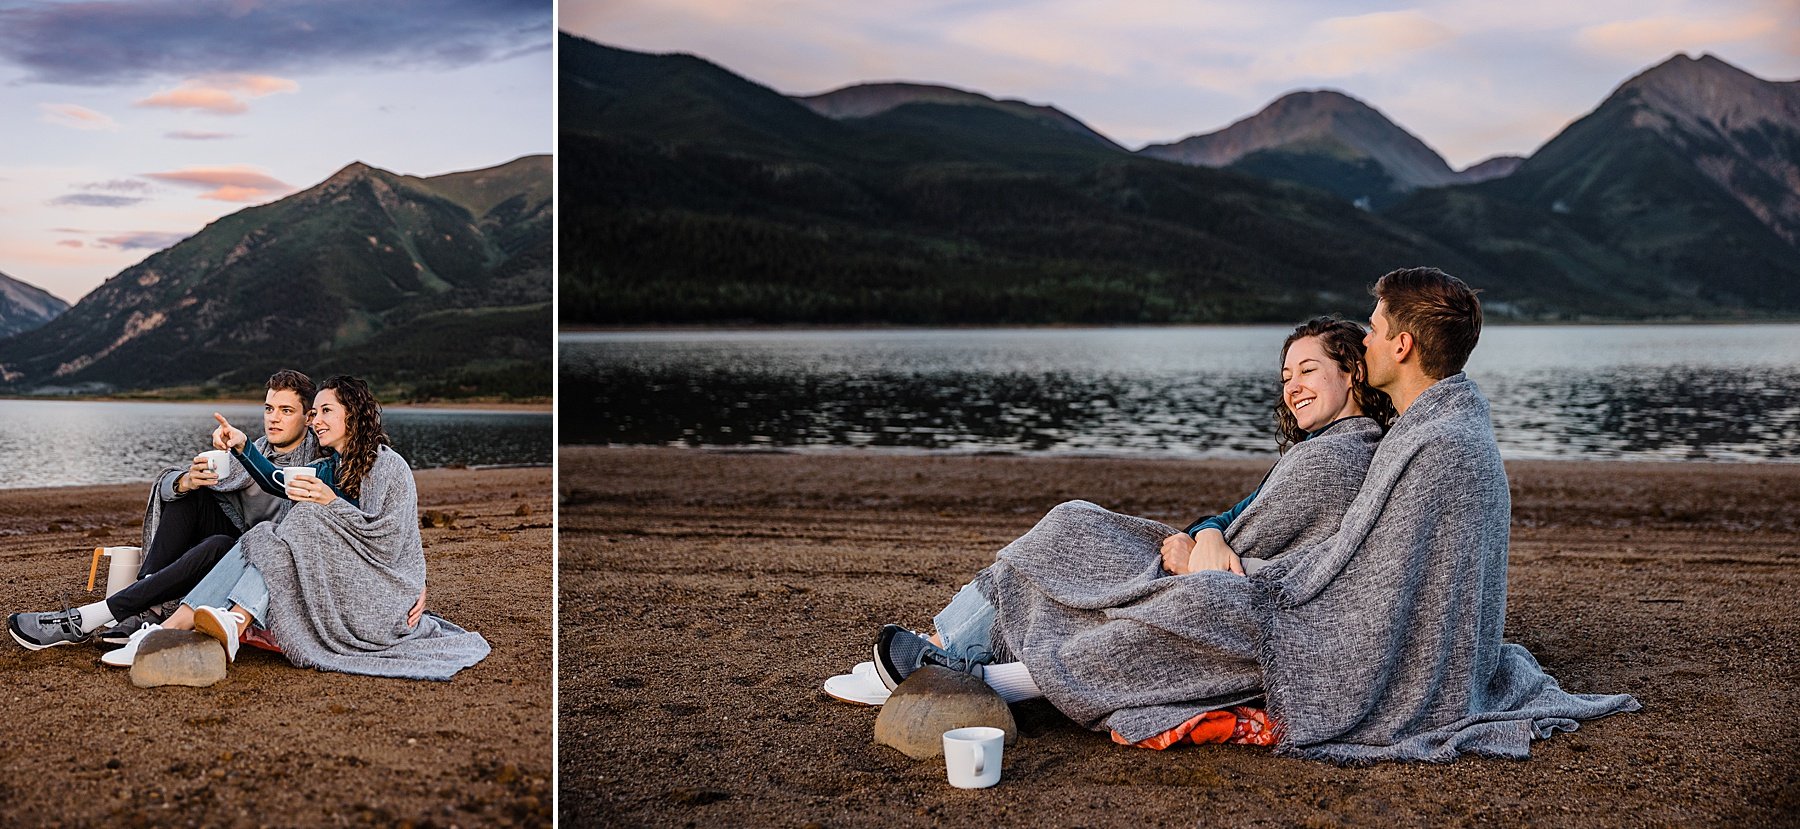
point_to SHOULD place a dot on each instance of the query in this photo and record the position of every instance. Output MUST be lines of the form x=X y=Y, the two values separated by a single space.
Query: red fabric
x=1242 y=725
x=260 y=638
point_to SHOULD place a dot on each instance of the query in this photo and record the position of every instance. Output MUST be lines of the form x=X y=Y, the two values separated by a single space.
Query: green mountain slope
x=1623 y=214
x=331 y=276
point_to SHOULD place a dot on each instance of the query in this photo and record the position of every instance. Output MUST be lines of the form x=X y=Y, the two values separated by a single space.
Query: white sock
x=1011 y=681
x=94 y=615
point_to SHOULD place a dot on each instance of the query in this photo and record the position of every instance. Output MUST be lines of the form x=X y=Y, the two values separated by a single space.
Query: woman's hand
x=418 y=609
x=1176 y=550
x=309 y=489
x=1212 y=553
x=227 y=436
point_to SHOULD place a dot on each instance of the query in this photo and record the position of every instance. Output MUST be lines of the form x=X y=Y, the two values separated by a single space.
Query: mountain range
x=694 y=195
x=24 y=307
x=431 y=286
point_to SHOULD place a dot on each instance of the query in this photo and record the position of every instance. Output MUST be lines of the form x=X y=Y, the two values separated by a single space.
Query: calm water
x=61 y=442
x=1723 y=393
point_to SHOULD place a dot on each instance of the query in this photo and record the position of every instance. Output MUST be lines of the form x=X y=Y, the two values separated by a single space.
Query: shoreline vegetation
x=747 y=326
x=544 y=405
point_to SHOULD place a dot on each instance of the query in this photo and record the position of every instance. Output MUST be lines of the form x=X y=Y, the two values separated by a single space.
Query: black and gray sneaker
x=120 y=632
x=37 y=631
x=899 y=652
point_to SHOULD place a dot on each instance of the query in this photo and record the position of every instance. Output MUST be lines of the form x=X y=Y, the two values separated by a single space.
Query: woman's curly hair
x=364 y=436
x=1343 y=341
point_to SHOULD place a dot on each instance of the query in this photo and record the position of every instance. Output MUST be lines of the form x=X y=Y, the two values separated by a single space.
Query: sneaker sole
x=884 y=667
x=33 y=646
x=209 y=624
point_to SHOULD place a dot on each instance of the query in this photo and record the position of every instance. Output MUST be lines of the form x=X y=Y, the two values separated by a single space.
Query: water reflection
x=1700 y=392
x=59 y=442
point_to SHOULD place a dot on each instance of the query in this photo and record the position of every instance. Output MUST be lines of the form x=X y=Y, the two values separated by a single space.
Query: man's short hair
x=1438 y=310
x=288 y=379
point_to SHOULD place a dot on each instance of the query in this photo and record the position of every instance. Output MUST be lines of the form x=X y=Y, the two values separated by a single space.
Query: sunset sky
x=133 y=123
x=1472 y=78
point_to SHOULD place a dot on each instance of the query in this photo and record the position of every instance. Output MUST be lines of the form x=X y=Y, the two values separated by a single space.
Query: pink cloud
x=198 y=135
x=76 y=117
x=215 y=101
x=219 y=94
x=140 y=240
x=235 y=183
x=70 y=243
x=1657 y=36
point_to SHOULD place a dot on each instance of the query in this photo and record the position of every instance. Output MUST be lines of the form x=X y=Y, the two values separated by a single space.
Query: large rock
x=178 y=657
x=934 y=700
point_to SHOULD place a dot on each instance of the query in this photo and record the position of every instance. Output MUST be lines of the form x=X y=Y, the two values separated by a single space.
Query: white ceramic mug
x=217 y=460
x=972 y=756
x=287 y=474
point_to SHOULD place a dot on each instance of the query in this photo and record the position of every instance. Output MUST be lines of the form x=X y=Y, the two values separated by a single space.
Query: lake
x=1700 y=392
x=63 y=442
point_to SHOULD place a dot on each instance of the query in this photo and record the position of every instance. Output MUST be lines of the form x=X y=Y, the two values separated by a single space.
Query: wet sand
x=275 y=745
x=706 y=595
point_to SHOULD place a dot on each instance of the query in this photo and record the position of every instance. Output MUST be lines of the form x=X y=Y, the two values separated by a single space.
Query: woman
x=335 y=580
x=1089 y=601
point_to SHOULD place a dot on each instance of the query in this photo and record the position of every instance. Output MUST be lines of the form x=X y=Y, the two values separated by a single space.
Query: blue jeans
x=233 y=581
x=966 y=625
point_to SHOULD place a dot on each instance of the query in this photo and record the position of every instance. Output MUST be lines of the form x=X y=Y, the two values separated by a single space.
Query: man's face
x=284 y=418
x=1378 y=349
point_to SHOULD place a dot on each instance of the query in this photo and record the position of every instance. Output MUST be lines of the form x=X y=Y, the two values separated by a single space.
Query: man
x=1380 y=642
x=1384 y=642
x=192 y=519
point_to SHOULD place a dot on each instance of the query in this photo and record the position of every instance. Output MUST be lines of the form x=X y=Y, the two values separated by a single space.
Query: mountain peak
x=1711 y=92
x=352 y=171
x=1321 y=122
x=24 y=306
x=866 y=100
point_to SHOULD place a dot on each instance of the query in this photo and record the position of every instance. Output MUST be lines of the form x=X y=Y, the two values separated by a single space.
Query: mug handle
x=279 y=478
x=978 y=753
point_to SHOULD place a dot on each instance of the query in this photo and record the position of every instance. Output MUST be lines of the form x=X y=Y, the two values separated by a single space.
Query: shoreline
x=544 y=406
x=769 y=572
x=50 y=488
x=1146 y=457
x=752 y=327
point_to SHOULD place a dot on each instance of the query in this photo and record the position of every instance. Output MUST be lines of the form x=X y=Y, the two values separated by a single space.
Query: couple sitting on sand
x=1360 y=591
x=326 y=567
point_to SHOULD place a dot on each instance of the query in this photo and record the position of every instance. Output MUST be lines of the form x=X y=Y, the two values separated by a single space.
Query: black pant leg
x=185 y=522
x=172 y=581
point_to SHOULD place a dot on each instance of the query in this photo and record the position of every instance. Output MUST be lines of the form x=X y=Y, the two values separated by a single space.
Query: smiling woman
x=1324 y=379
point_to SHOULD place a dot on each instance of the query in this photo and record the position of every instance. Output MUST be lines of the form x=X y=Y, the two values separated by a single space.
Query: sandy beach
x=706 y=595
x=275 y=745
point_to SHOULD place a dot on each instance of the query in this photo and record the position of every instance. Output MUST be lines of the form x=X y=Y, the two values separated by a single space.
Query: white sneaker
x=125 y=656
x=223 y=625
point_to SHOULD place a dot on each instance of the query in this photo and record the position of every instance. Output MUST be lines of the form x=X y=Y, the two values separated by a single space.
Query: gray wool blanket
x=242 y=501
x=343 y=576
x=1117 y=643
x=1383 y=641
